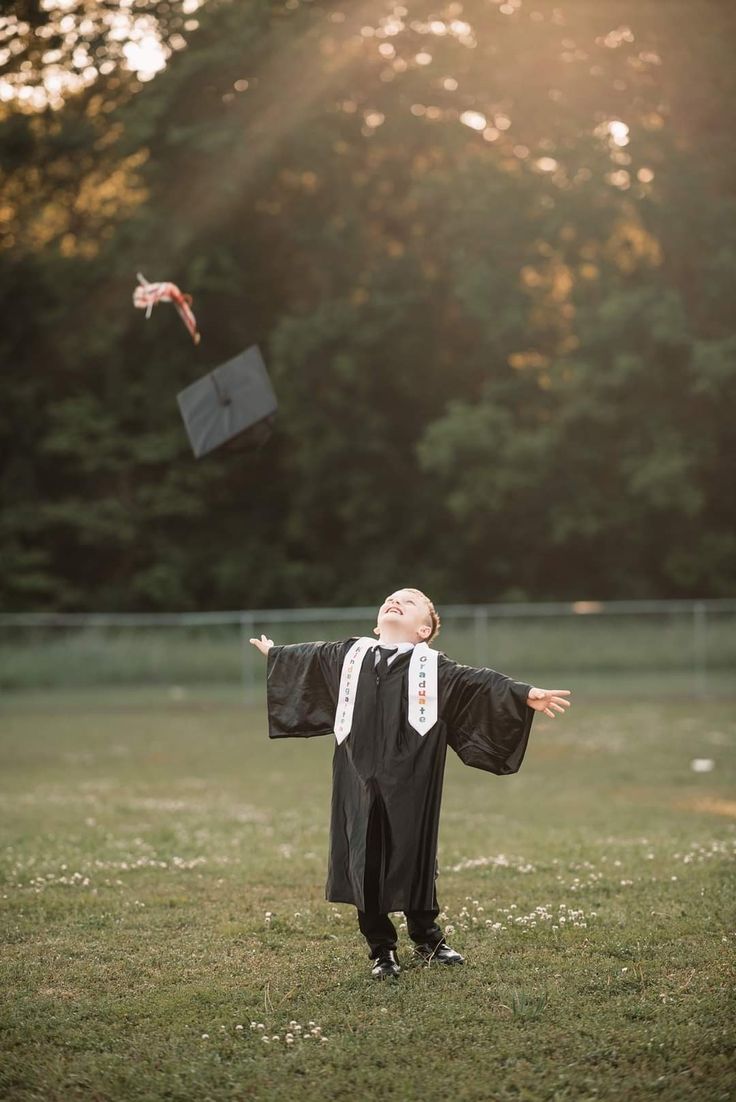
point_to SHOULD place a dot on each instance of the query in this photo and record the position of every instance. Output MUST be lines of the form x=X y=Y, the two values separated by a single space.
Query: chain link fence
x=649 y=647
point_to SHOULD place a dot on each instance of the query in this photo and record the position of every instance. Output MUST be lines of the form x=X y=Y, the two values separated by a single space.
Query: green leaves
x=504 y=356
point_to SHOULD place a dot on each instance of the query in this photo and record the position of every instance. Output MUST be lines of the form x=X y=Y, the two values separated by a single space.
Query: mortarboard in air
x=234 y=402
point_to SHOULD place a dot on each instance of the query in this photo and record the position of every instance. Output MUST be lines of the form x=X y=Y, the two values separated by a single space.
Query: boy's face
x=404 y=616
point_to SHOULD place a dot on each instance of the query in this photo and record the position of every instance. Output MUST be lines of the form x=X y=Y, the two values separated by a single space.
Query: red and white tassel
x=148 y=294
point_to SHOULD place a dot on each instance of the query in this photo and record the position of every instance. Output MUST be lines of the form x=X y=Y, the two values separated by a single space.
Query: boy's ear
x=424 y=630
x=376 y=630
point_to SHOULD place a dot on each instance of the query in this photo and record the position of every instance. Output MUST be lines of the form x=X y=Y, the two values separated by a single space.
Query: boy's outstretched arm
x=548 y=701
x=302 y=681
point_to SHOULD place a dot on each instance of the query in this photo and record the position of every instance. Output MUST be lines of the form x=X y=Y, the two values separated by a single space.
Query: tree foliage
x=487 y=252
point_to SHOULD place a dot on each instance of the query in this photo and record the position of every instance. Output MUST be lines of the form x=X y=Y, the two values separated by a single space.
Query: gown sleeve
x=486 y=715
x=302 y=682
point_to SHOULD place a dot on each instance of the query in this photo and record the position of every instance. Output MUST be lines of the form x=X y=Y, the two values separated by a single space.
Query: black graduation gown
x=387 y=768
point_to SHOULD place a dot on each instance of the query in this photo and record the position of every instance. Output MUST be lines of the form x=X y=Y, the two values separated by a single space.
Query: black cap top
x=236 y=399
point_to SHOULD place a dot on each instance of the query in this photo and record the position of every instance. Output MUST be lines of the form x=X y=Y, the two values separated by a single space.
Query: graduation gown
x=387 y=769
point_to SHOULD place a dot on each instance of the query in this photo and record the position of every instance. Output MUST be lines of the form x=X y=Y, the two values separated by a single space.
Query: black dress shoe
x=438 y=954
x=385 y=966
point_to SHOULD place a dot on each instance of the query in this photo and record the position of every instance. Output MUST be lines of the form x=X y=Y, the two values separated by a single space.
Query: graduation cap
x=234 y=402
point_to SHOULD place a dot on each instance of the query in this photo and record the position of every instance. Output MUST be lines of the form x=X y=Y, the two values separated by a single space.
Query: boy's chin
x=394 y=628
x=391 y=619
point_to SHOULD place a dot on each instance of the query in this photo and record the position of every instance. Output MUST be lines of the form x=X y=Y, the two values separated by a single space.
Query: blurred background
x=488 y=250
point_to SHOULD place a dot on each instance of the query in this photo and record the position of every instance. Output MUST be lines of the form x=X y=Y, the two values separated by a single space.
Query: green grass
x=145 y=839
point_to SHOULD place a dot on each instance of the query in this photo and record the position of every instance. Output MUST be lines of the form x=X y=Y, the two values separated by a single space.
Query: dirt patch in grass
x=710 y=805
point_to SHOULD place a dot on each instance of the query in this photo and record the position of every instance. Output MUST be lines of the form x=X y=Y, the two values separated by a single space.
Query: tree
x=486 y=254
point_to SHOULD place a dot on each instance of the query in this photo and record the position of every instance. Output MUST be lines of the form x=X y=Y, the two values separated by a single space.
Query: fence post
x=247 y=630
x=700 y=646
x=480 y=630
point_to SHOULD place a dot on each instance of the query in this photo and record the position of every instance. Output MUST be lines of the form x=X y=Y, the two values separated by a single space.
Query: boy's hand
x=263 y=644
x=545 y=700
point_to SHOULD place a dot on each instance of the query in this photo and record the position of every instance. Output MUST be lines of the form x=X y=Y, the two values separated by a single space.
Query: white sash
x=422 y=711
x=348 y=685
x=423 y=688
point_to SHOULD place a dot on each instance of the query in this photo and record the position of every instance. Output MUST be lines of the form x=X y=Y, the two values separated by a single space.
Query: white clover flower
x=238 y=1028
x=260 y=1026
x=205 y=1036
x=289 y=1039
x=266 y=1040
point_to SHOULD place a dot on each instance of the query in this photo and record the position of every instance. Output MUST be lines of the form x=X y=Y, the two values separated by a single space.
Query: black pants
x=377 y=928
x=380 y=932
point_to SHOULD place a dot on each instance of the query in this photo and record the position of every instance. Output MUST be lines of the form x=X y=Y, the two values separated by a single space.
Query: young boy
x=394 y=706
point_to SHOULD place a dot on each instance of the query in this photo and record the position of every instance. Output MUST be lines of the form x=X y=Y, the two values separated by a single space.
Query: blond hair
x=434 y=619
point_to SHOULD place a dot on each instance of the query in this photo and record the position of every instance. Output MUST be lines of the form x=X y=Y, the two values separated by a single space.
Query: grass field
x=162 y=872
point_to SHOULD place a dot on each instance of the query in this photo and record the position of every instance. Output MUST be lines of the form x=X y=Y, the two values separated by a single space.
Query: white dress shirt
x=398 y=648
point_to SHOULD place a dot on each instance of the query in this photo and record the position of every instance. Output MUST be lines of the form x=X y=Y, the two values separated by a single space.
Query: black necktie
x=382 y=664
